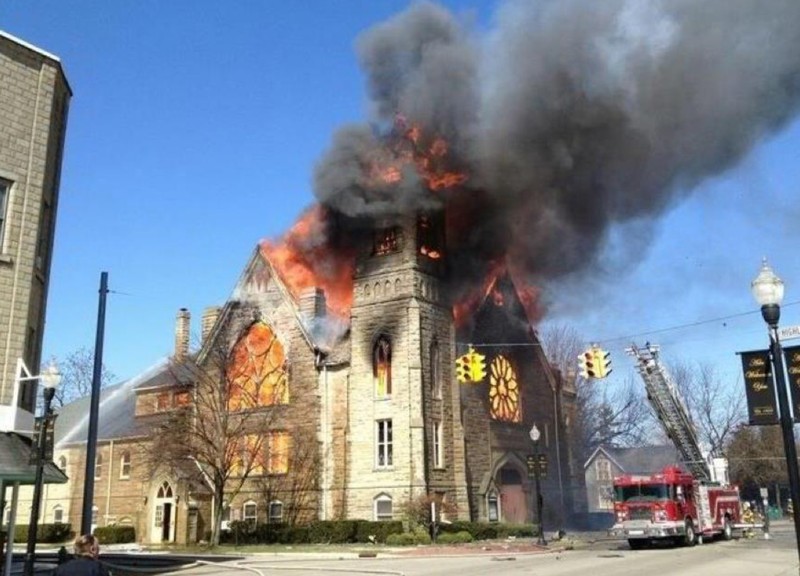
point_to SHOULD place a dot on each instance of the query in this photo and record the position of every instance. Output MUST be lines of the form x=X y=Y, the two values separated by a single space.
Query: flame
x=304 y=259
x=406 y=148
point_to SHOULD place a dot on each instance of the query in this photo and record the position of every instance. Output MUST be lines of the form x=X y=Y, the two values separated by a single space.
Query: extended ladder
x=671 y=410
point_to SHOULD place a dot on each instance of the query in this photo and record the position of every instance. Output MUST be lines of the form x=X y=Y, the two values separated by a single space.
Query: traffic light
x=588 y=364
x=603 y=362
x=471 y=367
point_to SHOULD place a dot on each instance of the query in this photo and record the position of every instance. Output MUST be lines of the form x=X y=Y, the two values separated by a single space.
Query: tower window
x=429 y=238
x=383 y=444
x=382 y=367
x=386 y=241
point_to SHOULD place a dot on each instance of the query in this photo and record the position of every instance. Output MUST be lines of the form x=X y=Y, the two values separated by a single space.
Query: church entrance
x=164 y=515
x=512 y=495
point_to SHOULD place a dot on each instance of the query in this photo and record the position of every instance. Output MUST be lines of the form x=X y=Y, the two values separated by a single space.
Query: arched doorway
x=163 y=527
x=512 y=495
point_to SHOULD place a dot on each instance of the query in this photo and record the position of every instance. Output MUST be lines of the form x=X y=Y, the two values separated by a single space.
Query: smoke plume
x=569 y=117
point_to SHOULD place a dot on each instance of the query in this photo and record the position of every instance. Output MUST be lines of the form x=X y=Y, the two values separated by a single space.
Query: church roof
x=116 y=411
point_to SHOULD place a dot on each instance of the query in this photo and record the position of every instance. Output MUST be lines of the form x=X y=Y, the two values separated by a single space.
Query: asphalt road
x=742 y=557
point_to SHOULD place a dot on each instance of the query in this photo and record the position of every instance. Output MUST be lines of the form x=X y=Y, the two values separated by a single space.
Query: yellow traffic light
x=602 y=361
x=471 y=367
x=587 y=364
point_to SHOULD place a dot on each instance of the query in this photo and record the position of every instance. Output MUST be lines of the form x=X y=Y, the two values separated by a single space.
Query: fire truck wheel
x=727 y=529
x=689 y=537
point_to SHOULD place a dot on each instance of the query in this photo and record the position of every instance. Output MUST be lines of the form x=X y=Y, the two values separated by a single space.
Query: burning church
x=487 y=173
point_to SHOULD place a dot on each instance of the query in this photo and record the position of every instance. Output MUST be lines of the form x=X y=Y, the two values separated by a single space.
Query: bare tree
x=237 y=391
x=77 y=372
x=756 y=458
x=716 y=407
x=608 y=412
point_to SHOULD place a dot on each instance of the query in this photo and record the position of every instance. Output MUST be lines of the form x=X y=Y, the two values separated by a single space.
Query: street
x=740 y=557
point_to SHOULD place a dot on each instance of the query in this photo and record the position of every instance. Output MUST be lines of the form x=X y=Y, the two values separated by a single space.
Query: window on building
x=438 y=448
x=125 y=466
x=275 y=512
x=159 y=515
x=44 y=234
x=383 y=443
x=182 y=398
x=429 y=237
x=383 y=507
x=5 y=192
x=58 y=514
x=95 y=512
x=164 y=491
x=504 y=398
x=436 y=371
x=7 y=516
x=257 y=371
x=278 y=446
x=250 y=513
x=382 y=366
x=606 y=498
x=98 y=467
x=492 y=507
x=62 y=463
x=387 y=241
x=163 y=401
x=603 y=469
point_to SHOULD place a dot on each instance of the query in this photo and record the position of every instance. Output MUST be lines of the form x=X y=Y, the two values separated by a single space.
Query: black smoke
x=570 y=116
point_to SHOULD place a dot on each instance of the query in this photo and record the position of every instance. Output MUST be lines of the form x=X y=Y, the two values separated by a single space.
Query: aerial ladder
x=671 y=410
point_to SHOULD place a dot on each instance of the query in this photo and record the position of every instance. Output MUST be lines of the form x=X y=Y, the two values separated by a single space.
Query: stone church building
x=373 y=401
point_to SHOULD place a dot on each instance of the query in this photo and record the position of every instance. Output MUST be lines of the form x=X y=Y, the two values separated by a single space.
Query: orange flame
x=406 y=148
x=303 y=259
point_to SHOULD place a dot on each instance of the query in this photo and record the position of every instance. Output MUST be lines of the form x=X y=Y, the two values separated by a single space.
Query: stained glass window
x=278 y=462
x=257 y=371
x=504 y=391
x=382 y=366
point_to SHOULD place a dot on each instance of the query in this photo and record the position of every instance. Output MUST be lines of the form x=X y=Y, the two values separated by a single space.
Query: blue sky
x=193 y=134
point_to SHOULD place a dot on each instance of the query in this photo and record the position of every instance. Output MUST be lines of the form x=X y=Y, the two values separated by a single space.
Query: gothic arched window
x=382 y=366
x=257 y=371
x=436 y=371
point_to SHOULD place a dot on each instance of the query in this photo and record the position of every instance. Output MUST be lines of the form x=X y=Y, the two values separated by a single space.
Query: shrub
x=116 y=534
x=517 y=530
x=462 y=537
x=379 y=530
x=49 y=533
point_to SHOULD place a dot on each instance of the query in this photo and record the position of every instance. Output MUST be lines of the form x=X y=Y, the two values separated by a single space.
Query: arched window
x=436 y=370
x=382 y=507
x=504 y=399
x=164 y=491
x=98 y=467
x=62 y=463
x=257 y=370
x=382 y=366
x=250 y=513
x=493 y=506
x=125 y=465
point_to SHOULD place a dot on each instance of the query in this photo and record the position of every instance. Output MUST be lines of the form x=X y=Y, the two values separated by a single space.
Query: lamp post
x=768 y=291
x=50 y=378
x=535 y=435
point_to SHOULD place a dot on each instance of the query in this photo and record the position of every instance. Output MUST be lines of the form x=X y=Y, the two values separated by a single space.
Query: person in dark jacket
x=85 y=563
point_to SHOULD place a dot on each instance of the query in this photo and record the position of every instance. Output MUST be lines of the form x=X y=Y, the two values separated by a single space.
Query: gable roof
x=639 y=459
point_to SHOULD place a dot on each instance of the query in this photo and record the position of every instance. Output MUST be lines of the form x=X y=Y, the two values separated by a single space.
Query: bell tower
x=406 y=440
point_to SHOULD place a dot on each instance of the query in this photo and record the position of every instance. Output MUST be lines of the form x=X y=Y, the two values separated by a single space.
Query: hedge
x=116 y=534
x=47 y=533
x=323 y=531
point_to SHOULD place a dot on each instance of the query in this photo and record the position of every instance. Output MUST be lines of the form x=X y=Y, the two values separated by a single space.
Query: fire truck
x=680 y=504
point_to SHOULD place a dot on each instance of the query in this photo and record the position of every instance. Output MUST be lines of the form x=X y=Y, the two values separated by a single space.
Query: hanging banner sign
x=792 y=356
x=759 y=385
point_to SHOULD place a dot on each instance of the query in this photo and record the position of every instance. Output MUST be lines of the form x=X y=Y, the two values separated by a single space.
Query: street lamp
x=768 y=291
x=535 y=435
x=50 y=379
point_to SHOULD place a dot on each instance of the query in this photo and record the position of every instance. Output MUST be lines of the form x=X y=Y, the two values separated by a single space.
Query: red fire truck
x=683 y=504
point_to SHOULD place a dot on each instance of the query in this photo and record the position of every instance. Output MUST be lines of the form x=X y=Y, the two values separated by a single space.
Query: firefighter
x=748 y=517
